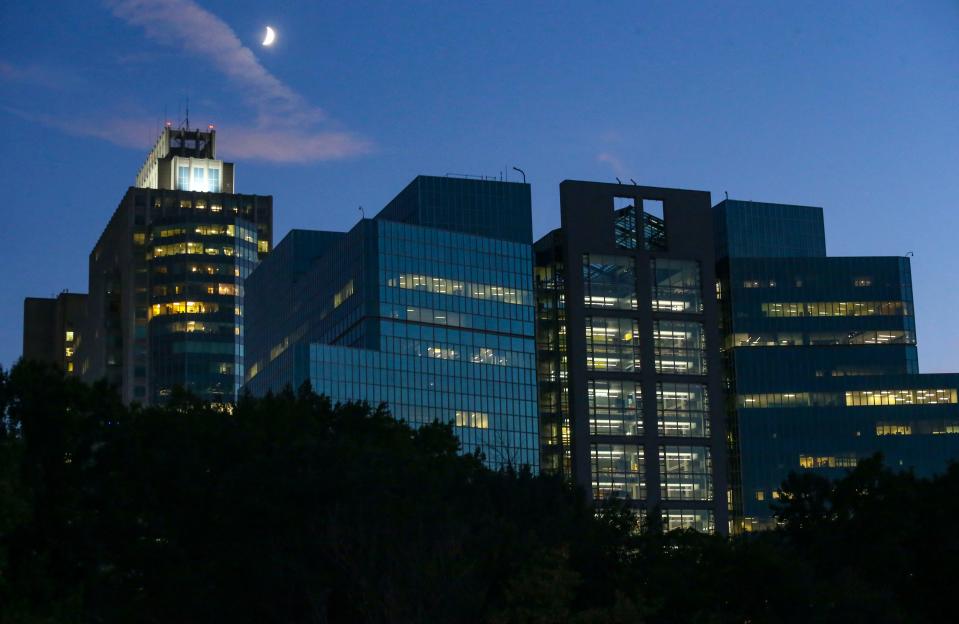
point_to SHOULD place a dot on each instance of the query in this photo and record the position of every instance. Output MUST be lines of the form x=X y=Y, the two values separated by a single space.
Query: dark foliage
x=289 y=509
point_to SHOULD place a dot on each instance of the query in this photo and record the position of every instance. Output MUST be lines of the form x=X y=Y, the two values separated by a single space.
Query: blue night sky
x=853 y=106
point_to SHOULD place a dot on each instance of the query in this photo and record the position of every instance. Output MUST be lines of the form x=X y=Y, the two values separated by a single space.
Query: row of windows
x=476 y=420
x=445 y=286
x=616 y=408
x=612 y=344
x=618 y=471
x=206 y=229
x=193 y=248
x=827 y=461
x=838 y=308
x=610 y=282
x=858 y=282
x=343 y=294
x=199 y=327
x=680 y=347
x=855 y=398
x=204 y=180
x=790 y=339
x=450 y=351
x=698 y=519
x=901 y=397
x=163 y=290
x=427 y=333
x=920 y=427
x=184 y=307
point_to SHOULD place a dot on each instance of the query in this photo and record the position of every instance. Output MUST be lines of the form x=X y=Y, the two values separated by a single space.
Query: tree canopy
x=290 y=509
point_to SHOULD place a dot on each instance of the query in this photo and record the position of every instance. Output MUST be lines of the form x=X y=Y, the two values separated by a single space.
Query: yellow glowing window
x=263 y=246
x=837 y=308
x=870 y=398
x=68 y=336
x=884 y=429
x=445 y=286
x=476 y=420
x=69 y=367
x=344 y=293
x=827 y=461
x=182 y=307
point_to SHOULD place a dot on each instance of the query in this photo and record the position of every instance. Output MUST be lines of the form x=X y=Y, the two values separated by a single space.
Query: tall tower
x=166 y=276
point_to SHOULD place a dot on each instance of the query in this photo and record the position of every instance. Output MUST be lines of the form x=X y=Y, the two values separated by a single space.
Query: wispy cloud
x=287 y=128
x=614 y=162
x=38 y=76
x=124 y=132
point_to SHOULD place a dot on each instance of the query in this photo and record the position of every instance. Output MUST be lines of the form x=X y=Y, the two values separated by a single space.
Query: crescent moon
x=270 y=36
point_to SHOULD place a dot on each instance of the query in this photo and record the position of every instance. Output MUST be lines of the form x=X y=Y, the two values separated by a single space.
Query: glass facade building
x=628 y=351
x=820 y=358
x=427 y=307
x=166 y=300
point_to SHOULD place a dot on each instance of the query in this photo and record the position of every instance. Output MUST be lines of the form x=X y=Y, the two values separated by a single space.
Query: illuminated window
x=838 y=308
x=861 y=282
x=68 y=352
x=699 y=520
x=788 y=399
x=226 y=289
x=476 y=420
x=682 y=410
x=760 y=495
x=183 y=307
x=344 y=293
x=615 y=407
x=862 y=398
x=884 y=429
x=473 y=290
x=676 y=285
x=183 y=178
x=214 y=175
x=618 y=471
x=685 y=473
x=680 y=347
x=68 y=336
x=609 y=281
x=827 y=461
x=199 y=183
x=263 y=246
x=69 y=367
x=612 y=344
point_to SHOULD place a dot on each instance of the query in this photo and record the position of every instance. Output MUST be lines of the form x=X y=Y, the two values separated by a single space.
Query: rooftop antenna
x=187 y=112
x=909 y=254
x=618 y=180
x=522 y=172
x=633 y=181
x=362 y=212
x=727 y=194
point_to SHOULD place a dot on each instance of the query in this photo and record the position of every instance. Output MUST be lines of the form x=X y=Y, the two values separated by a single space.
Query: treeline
x=289 y=509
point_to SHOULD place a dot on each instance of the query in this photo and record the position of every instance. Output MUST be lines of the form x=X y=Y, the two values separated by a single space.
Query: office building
x=820 y=358
x=628 y=351
x=427 y=307
x=52 y=329
x=166 y=296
